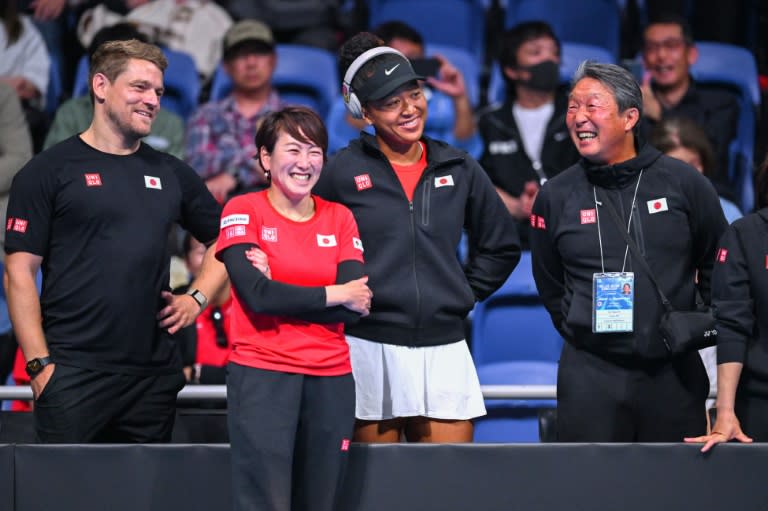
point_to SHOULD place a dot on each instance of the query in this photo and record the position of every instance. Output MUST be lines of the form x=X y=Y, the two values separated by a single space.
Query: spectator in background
x=740 y=298
x=220 y=134
x=205 y=344
x=448 y=80
x=682 y=138
x=190 y=26
x=616 y=381
x=669 y=51
x=25 y=66
x=525 y=140
x=94 y=213
x=15 y=151
x=308 y=22
x=75 y=115
x=15 y=145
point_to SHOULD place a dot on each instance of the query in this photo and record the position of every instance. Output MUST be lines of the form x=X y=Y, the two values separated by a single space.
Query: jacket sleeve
x=707 y=224
x=547 y=266
x=266 y=296
x=494 y=244
x=732 y=298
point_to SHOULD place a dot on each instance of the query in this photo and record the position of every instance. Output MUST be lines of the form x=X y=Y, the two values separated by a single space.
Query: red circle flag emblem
x=657 y=205
x=443 y=181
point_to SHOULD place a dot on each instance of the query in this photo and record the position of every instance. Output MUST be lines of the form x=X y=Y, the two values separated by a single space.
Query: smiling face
x=667 y=56
x=294 y=166
x=131 y=102
x=399 y=118
x=600 y=132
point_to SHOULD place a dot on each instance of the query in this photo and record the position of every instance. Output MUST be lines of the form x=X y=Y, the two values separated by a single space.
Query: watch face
x=34 y=365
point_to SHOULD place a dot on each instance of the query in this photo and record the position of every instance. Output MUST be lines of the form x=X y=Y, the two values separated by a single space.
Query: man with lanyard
x=616 y=381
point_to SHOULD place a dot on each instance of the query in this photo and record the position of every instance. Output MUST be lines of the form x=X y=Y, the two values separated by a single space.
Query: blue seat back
x=513 y=324
x=448 y=22
x=593 y=22
x=465 y=62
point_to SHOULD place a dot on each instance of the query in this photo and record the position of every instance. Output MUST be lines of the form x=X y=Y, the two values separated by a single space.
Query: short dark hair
x=671 y=18
x=674 y=132
x=353 y=48
x=398 y=30
x=515 y=37
x=300 y=122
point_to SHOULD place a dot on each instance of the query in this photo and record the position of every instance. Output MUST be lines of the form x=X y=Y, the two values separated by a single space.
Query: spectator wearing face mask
x=525 y=139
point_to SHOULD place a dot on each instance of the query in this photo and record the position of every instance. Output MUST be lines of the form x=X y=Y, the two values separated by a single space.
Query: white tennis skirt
x=439 y=382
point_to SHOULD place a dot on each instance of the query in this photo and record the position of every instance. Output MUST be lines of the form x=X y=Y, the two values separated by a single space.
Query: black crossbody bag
x=682 y=331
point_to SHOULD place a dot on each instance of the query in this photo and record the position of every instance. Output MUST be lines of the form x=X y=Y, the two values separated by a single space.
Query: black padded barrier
x=542 y=477
x=6 y=477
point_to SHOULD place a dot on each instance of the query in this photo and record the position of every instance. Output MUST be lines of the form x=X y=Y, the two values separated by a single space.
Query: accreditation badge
x=613 y=301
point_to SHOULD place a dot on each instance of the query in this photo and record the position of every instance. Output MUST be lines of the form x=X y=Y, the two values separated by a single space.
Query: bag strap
x=636 y=252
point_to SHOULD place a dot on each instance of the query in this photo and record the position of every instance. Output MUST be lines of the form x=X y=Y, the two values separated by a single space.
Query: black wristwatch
x=199 y=297
x=36 y=365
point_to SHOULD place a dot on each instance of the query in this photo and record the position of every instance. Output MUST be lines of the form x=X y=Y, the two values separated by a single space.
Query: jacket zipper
x=413 y=263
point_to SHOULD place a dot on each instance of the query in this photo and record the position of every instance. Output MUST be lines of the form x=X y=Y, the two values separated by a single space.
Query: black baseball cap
x=390 y=71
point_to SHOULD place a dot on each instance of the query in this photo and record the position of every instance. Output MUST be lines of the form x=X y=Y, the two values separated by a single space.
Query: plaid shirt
x=219 y=139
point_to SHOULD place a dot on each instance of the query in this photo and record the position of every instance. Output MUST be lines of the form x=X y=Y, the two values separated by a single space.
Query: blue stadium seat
x=572 y=54
x=304 y=75
x=594 y=22
x=735 y=67
x=448 y=22
x=340 y=132
x=513 y=325
x=55 y=87
x=514 y=420
x=182 y=83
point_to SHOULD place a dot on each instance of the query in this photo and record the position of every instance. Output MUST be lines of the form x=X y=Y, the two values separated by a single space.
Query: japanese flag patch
x=153 y=182
x=326 y=240
x=357 y=243
x=657 y=205
x=441 y=181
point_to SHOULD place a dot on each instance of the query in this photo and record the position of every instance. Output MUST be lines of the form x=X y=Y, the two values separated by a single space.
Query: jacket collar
x=620 y=175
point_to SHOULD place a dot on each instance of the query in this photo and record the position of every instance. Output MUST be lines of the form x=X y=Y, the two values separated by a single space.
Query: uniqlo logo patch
x=533 y=221
x=153 y=182
x=9 y=223
x=326 y=240
x=20 y=225
x=363 y=182
x=92 y=180
x=269 y=234
x=345 y=444
x=588 y=216
x=234 y=231
x=443 y=181
x=766 y=262
x=540 y=224
x=722 y=255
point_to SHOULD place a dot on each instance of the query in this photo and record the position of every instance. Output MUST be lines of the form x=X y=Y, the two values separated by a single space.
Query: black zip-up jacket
x=676 y=223
x=421 y=293
x=740 y=298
